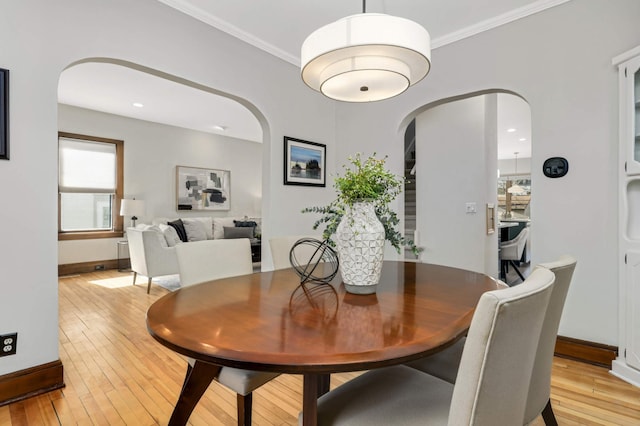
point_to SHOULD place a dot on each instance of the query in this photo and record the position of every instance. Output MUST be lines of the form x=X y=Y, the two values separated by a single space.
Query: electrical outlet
x=99 y=267
x=8 y=343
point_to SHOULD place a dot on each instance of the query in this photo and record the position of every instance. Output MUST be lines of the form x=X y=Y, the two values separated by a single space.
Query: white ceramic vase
x=360 y=242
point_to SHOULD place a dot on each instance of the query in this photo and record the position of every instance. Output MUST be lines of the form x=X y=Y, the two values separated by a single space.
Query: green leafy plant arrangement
x=367 y=180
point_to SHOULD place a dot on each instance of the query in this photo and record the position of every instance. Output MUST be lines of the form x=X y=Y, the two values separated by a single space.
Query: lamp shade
x=366 y=57
x=516 y=189
x=131 y=208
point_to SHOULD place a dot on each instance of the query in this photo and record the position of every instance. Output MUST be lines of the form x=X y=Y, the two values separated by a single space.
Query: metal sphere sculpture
x=320 y=267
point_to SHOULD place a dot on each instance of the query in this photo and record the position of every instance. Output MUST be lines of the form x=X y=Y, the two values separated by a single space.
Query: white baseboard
x=620 y=369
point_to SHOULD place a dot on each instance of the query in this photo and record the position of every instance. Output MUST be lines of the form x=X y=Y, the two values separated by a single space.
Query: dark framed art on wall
x=4 y=114
x=304 y=162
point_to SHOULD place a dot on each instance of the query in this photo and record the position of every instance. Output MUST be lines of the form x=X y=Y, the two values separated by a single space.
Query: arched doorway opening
x=180 y=123
x=456 y=149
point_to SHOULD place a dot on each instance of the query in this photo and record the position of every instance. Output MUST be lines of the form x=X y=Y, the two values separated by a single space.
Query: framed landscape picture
x=4 y=114
x=202 y=189
x=304 y=162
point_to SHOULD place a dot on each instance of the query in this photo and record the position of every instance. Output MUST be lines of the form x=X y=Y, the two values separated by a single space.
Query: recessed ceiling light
x=220 y=128
x=522 y=139
x=138 y=105
x=511 y=130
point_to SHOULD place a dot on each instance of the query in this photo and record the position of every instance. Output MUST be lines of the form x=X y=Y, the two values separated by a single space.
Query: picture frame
x=4 y=114
x=304 y=162
x=199 y=189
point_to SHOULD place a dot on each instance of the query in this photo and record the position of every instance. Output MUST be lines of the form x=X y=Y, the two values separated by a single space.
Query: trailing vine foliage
x=365 y=180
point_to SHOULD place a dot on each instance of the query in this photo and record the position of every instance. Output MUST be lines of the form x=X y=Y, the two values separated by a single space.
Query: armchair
x=149 y=256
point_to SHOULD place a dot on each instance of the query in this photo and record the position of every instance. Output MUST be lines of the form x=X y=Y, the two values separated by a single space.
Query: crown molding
x=185 y=7
x=202 y=15
x=623 y=57
x=496 y=21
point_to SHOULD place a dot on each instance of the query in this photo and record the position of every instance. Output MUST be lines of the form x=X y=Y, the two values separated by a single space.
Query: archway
x=456 y=146
x=153 y=148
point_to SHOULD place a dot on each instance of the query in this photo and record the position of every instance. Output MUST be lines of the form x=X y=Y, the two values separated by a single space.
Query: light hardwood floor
x=116 y=374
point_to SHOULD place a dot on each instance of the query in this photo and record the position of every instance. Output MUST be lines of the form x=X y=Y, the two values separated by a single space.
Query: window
x=89 y=186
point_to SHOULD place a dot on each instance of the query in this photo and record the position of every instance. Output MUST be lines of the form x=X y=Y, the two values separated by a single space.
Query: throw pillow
x=179 y=227
x=247 y=224
x=195 y=229
x=218 y=226
x=156 y=229
x=170 y=235
x=235 y=232
x=208 y=225
x=250 y=222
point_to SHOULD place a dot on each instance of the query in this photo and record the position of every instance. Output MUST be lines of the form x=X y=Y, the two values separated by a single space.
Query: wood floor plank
x=117 y=374
x=5 y=415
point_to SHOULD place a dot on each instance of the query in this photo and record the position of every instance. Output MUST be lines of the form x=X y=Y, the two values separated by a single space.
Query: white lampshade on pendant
x=366 y=57
x=516 y=189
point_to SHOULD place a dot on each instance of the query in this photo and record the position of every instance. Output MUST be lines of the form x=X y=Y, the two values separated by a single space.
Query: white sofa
x=152 y=246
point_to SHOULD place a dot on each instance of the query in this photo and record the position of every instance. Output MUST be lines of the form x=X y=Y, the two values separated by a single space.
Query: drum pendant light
x=366 y=57
x=516 y=189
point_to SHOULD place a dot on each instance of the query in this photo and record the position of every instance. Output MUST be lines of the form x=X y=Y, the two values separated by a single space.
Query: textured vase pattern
x=360 y=243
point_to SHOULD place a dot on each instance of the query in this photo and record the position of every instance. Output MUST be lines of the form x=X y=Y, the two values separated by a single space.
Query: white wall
x=41 y=39
x=151 y=153
x=559 y=61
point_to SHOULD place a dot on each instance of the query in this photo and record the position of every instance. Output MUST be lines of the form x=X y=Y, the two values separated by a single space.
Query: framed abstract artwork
x=304 y=162
x=202 y=189
x=4 y=114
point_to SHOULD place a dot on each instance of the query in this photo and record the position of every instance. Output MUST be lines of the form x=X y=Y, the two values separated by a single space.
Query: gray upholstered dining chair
x=201 y=261
x=511 y=252
x=444 y=364
x=495 y=371
x=539 y=401
x=281 y=246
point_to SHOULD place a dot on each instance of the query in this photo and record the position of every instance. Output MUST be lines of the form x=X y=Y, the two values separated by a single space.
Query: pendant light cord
x=364 y=6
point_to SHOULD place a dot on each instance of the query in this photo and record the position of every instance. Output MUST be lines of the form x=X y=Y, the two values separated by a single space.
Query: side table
x=122 y=248
x=256 y=251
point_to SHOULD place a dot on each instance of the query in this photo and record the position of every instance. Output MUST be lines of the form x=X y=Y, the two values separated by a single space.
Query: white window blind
x=87 y=167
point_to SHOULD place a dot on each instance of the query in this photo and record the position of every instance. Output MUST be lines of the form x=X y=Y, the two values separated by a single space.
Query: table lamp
x=132 y=208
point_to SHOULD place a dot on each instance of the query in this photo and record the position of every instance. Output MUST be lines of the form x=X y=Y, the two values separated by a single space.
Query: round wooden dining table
x=268 y=321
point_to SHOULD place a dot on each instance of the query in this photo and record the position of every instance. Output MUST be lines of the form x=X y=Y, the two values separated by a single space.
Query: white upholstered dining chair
x=281 y=246
x=495 y=371
x=207 y=260
x=444 y=364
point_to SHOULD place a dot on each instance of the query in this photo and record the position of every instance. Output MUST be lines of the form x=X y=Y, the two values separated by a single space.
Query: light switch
x=471 y=208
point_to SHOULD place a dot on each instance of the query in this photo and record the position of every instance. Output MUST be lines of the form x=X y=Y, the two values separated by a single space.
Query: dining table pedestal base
x=196 y=382
x=314 y=386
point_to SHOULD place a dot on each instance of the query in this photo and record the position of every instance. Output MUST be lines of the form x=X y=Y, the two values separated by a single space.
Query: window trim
x=118 y=221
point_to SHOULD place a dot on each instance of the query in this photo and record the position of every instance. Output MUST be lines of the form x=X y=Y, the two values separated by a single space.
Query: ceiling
x=114 y=89
x=513 y=127
x=278 y=27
